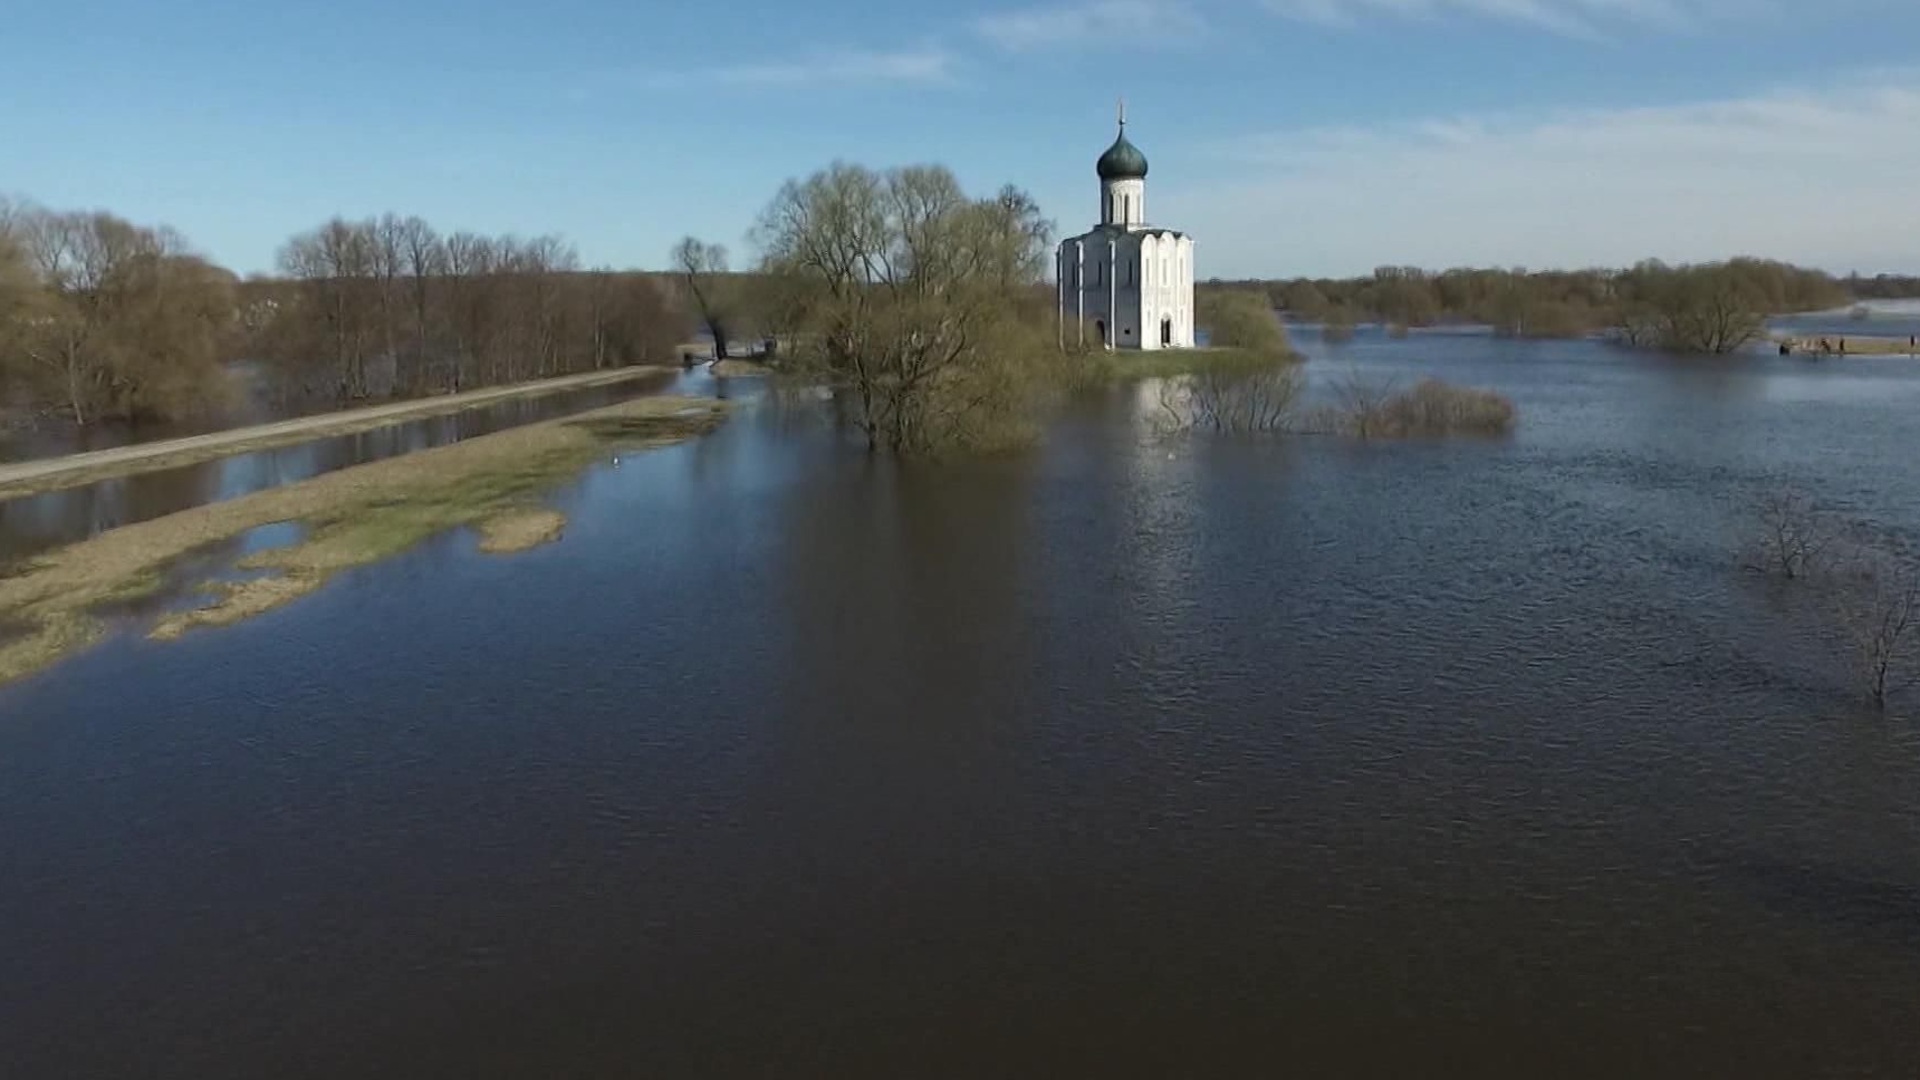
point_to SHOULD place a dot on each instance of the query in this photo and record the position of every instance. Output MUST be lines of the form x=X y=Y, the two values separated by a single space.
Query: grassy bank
x=739 y=369
x=1123 y=365
x=52 y=605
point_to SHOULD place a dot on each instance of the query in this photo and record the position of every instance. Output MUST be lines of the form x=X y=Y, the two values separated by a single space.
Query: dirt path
x=49 y=474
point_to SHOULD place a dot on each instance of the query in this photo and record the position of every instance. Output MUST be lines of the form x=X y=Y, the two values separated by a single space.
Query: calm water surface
x=1120 y=758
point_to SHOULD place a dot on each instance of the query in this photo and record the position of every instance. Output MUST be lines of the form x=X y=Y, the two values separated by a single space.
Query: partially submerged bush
x=1237 y=399
x=1339 y=325
x=1877 y=605
x=1373 y=410
x=1794 y=537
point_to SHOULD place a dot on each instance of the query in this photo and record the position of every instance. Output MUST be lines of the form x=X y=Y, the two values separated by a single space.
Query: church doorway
x=1166 y=331
x=1100 y=327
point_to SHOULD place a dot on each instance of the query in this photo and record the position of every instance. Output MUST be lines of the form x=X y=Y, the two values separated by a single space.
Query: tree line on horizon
x=1706 y=307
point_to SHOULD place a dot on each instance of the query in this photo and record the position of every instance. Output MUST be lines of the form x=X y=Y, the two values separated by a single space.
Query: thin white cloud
x=1573 y=18
x=1817 y=176
x=929 y=66
x=1124 y=24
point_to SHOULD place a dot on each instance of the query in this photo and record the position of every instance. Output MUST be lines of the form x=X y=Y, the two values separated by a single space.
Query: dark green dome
x=1123 y=160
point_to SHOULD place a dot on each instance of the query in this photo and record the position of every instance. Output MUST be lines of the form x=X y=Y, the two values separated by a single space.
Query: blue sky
x=1290 y=136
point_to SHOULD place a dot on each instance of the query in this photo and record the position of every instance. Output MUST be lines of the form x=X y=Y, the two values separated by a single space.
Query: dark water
x=38 y=522
x=1122 y=758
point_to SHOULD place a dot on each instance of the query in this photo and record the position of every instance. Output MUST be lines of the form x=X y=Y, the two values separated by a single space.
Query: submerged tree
x=1794 y=537
x=1339 y=326
x=1237 y=398
x=917 y=303
x=1878 y=607
x=1714 y=309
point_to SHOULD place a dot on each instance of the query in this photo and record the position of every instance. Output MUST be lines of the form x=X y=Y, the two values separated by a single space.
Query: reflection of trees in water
x=40 y=521
x=903 y=588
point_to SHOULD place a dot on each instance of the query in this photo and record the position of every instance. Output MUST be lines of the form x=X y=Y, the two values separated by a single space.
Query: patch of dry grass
x=520 y=530
x=44 y=640
x=354 y=517
x=237 y=600
x=1127 y=364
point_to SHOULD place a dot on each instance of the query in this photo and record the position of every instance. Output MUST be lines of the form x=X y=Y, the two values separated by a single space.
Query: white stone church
x=1126 y=284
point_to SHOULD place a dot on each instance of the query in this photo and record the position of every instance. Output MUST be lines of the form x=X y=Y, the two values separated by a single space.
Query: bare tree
x=703 y=269
x=1363 y=404
x=386 y=239
x=424 y=259
x=336 y=264
x=1878 y=606
x=1794 y=537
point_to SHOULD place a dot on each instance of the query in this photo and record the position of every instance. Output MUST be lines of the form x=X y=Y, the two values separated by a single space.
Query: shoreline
x=1856 y=344
x=39 y=476
x=59 y=601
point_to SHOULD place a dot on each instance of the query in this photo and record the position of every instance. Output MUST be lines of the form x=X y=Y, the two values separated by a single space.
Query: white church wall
x=1123 y=202
x=1134 y=284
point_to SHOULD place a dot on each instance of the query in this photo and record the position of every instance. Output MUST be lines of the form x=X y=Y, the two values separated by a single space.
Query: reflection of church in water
x=1126 y=284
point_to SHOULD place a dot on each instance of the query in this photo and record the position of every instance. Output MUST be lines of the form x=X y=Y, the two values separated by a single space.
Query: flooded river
x=1118 y=758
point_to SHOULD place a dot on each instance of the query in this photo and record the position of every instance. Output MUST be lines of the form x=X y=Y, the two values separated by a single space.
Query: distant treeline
x=102 y=319
x=391 y=307
x=1883 y=287
x=1711 y=307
